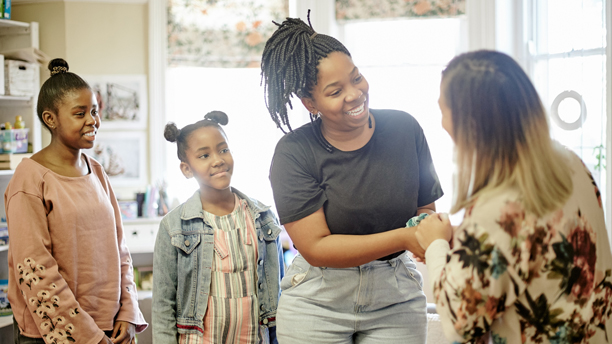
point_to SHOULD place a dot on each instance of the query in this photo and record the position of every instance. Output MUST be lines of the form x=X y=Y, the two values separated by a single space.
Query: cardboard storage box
x=10 y=161
x=19 y=78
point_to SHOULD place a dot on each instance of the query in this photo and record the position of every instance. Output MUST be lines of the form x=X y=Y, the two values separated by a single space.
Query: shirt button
x=261 y=307
x=260 y=237
x=261 y=262
x=269 y=231
x=260 y=285
x=187 y=243
x=265 y=321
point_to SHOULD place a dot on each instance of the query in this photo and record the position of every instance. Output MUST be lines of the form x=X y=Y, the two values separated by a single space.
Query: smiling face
x=209 y=159
x=77 y=120
x=340 y=95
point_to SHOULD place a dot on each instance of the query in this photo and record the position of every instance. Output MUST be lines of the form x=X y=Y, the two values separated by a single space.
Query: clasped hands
x=123 y=333
x=433 y=227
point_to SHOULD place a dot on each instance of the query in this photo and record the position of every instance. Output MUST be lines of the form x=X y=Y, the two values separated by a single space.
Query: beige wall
x=107 y=38
x=51 y=19
x=95 y=38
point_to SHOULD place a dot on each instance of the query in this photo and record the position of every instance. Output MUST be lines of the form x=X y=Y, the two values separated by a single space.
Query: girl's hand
x=124 y=333
x=433 y=227
x=106 y=340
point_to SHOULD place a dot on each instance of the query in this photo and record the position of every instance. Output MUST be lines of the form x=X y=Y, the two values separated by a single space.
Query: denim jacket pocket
x=186 y=243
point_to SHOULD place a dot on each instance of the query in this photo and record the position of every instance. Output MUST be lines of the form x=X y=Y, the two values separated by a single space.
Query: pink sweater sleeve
x=129 y=310
x=44 y=292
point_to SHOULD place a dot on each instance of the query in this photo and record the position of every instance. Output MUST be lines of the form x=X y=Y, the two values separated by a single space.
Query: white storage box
x=19 y=78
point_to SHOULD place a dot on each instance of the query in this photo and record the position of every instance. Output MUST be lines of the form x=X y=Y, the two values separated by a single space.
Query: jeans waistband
x=391 y=256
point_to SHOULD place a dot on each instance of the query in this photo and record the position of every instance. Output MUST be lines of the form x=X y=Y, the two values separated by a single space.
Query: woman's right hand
x=106 y=340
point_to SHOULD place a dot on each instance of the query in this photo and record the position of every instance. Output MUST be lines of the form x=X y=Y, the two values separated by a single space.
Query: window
x=403 y=71
x=211 y=46
x=568 y=68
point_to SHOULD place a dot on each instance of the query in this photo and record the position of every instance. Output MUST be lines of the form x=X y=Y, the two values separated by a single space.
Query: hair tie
x=313 y=36
x=58 y=70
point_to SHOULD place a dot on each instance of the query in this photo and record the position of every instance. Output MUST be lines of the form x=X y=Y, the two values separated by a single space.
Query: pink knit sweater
x=70 y=272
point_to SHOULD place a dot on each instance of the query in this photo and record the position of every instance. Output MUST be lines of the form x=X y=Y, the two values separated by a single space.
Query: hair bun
x=218 y=117
x=58 y=66
x=171 y=132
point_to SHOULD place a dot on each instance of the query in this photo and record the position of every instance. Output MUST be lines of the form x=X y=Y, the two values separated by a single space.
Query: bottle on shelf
x=7 y=142
x=19 y=124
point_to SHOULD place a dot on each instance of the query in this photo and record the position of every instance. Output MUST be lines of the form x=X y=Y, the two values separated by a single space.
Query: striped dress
x=232 y=314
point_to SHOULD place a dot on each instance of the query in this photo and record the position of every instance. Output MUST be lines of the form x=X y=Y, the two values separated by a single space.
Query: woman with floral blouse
x=530 y=262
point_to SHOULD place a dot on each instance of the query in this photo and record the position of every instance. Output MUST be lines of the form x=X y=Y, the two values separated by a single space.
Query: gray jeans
x=379 y=302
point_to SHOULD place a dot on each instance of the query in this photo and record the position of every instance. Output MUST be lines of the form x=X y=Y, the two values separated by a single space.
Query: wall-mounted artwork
x=122 y=100
x=123 y=155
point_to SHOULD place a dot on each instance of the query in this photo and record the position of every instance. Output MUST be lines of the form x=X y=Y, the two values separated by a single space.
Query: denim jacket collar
x=193 y=206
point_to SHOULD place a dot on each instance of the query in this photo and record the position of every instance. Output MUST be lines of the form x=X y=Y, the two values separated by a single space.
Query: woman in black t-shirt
x=344 y=186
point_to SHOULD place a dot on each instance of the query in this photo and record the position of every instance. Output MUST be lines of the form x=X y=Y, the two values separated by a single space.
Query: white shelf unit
x=17 y=35
x=140 y=234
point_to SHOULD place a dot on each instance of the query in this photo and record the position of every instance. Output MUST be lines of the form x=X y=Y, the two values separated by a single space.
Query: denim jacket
x=182 y=266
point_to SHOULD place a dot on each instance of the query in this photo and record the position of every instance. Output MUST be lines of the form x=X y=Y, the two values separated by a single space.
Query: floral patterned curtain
x=369 y=9
x=221 y=33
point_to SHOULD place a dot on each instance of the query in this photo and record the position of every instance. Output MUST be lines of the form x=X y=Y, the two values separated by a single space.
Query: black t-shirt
x=370 y=190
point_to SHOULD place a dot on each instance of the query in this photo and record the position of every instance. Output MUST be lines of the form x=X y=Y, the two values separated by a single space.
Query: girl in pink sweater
x=70 y=272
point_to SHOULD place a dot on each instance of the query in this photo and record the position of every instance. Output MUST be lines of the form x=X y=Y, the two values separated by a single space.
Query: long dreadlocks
x=289 y=65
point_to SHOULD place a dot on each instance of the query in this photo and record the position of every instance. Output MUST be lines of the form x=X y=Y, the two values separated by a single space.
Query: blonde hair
x=501 y=134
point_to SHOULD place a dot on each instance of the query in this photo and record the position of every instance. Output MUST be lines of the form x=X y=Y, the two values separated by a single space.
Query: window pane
x=400 y=42
x=586 y=76
x=570 y=38
x=566 y=25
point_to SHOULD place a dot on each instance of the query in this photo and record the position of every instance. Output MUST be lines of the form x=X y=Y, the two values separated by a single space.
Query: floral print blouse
x=512 y=277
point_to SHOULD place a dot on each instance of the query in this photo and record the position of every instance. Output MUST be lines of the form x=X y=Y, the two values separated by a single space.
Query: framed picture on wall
x=122 y=100
x=123 y=155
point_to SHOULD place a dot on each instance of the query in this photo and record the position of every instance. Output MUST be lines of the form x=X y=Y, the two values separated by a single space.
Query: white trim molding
x=158 y=50
x=481 y=24
x=24 y=2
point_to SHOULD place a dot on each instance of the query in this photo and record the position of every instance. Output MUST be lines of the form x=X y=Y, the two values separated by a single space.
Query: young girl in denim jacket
x=218 y=260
